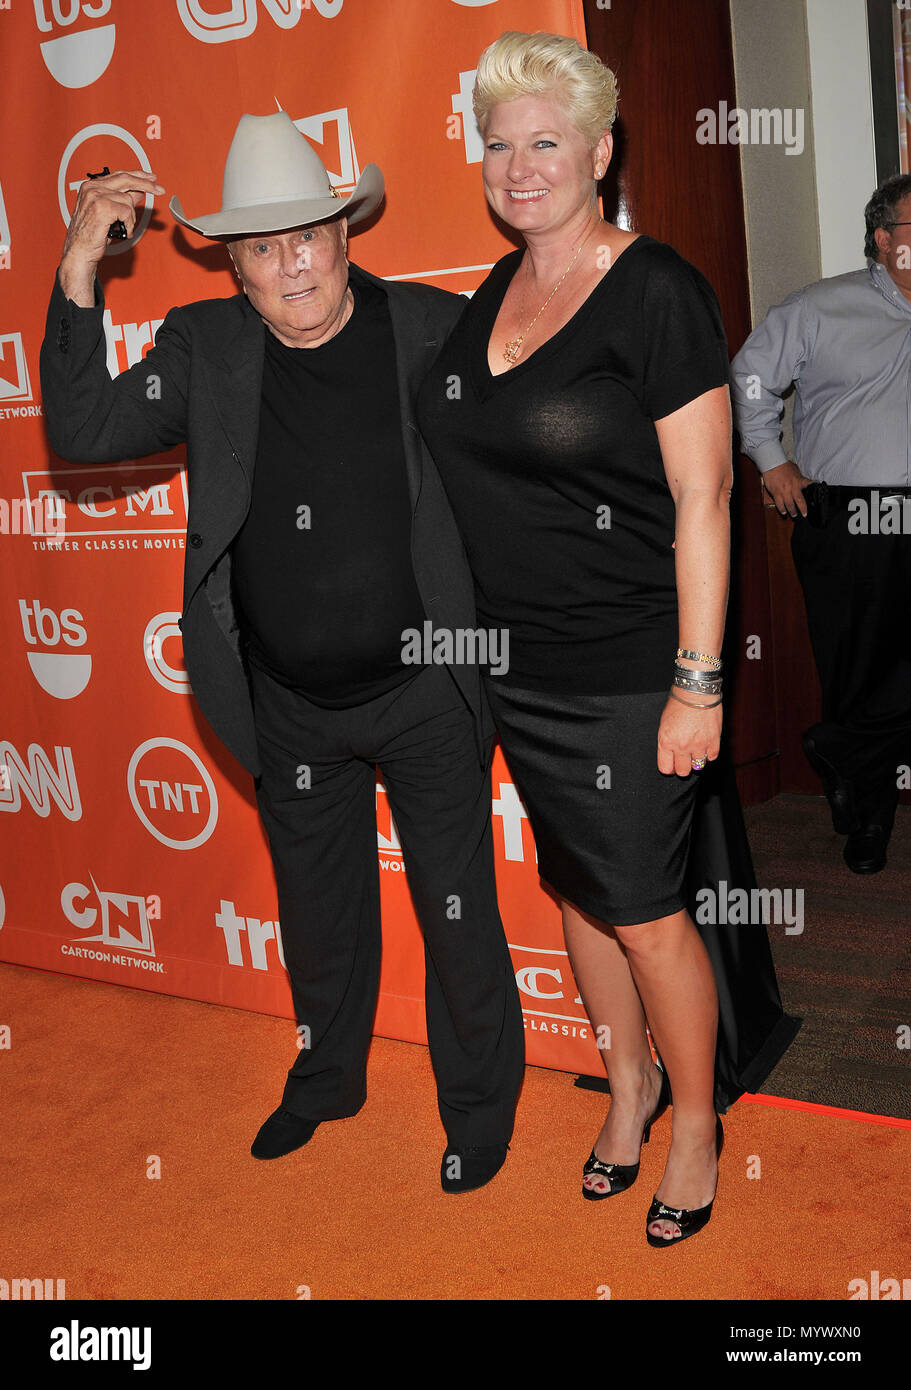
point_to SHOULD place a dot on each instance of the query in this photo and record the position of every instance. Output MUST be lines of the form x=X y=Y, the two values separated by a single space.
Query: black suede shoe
x=463 y=1169
x=282 y=1133
x=839 y=792
x=865 y=849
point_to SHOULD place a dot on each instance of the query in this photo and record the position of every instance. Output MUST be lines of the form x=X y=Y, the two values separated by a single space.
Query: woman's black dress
x=555 y=475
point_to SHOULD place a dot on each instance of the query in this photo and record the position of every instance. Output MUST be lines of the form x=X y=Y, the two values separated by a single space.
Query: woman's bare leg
x=613 y=1005
x=668 y=967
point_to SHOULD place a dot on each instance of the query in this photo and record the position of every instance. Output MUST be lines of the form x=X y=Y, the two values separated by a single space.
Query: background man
x=845 y=343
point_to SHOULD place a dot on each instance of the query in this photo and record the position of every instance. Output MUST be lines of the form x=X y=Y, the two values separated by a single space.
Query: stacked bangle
x=702 y=680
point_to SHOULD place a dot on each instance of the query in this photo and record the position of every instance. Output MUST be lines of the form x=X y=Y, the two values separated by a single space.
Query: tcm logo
x=257 y=934
x=236 y=19
x=122 y=917
x=91 y=148
x=15 y=384
x=162 y=628
x=172 y=793
x=40 y=780
x=124 y=499
x=63 y=674
x=78 y=58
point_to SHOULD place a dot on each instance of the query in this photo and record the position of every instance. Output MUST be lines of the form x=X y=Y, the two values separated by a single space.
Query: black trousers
x=857 y=589
x=317 y=799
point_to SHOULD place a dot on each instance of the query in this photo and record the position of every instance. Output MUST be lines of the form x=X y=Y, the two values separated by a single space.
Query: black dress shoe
x=839 y=792
x=463 y=1169
x=865 y=849
x=282 y=1133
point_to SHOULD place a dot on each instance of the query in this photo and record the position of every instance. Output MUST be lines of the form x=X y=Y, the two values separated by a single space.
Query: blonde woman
x=587 y=457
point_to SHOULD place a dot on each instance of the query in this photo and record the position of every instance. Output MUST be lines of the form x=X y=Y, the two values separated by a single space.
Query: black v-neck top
x=555 y=475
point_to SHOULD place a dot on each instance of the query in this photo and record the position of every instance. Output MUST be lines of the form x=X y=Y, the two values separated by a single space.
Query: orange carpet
x=100 y=1082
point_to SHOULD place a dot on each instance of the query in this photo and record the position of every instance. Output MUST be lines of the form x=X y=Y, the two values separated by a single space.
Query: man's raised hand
x=111 y=198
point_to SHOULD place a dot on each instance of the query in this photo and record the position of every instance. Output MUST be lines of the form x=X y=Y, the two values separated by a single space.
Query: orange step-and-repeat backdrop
x=131 y=846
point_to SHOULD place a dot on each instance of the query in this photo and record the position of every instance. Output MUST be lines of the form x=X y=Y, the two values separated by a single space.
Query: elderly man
x=845 y=343
x=318 y=534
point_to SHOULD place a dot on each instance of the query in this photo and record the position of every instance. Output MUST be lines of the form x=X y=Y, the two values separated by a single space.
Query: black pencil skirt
x=611 y=831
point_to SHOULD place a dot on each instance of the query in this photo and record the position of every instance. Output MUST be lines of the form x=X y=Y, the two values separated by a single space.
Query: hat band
x=282 y=198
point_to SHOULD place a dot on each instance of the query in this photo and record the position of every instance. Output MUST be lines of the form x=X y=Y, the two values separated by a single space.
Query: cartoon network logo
x=236 y=19
x=122 y=499
x=39 y=780
x=77 y=58
x=15 y=383
x=172 y=793
x=122 y=917
x=160 y=629
x=60 y=673
x=387 y=836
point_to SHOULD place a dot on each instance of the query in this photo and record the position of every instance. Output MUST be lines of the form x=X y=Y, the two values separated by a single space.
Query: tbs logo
x=63 y=674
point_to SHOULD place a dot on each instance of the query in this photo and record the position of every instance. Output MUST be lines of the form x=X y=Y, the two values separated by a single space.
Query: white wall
x=842 y=105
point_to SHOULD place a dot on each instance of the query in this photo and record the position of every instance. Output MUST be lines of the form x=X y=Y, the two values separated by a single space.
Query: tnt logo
x=258 y=934
x=62 y=674
x=39 y=780
x=123 y=917
x=15 y=384
x=77 y=59
x=172 y=793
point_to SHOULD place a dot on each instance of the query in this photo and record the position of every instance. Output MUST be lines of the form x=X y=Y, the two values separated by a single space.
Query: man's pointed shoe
x=464 y=1169
x=282 y=1133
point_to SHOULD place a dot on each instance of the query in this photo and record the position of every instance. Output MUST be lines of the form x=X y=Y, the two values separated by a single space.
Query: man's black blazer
x=208 y=357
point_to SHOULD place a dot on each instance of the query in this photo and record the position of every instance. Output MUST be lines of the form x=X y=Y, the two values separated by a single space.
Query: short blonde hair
x=552 y=66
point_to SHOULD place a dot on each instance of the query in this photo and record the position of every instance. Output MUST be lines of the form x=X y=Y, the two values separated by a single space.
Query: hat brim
x=298 y=212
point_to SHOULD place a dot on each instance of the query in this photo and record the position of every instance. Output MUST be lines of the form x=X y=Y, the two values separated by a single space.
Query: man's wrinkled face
x=298 y=280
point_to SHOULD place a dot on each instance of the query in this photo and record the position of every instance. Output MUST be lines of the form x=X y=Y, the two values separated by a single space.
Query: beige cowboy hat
x=274 y=179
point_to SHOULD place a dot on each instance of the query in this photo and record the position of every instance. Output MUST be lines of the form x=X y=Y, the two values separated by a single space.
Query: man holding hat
x=318 y=533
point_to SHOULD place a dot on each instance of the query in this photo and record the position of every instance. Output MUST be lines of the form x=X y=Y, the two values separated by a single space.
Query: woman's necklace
x=512 y=349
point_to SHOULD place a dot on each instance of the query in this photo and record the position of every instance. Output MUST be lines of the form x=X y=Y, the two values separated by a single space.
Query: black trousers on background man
x=323 y=841
x=857 y=589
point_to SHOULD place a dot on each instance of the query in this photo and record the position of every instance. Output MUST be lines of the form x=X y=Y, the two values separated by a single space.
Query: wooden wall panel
x=671 y=61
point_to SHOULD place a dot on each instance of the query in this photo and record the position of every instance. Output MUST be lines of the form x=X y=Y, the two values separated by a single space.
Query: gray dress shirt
x=845 y=343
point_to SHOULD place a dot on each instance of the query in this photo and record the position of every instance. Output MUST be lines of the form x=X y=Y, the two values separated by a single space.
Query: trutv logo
x=59 y=670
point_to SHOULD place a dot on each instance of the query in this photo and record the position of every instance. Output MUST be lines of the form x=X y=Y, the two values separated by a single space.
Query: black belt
x=824 y=499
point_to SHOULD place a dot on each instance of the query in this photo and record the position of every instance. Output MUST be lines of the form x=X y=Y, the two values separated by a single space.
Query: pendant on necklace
x=511 y=351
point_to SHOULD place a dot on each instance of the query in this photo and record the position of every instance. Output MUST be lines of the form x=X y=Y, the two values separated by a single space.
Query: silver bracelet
x=692 y=704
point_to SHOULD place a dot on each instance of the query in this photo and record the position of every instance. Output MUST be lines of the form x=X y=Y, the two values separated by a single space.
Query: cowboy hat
x=274 y=179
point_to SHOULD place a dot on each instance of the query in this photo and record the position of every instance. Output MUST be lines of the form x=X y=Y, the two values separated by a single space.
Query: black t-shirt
x=324 y=593
x=555 y=476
